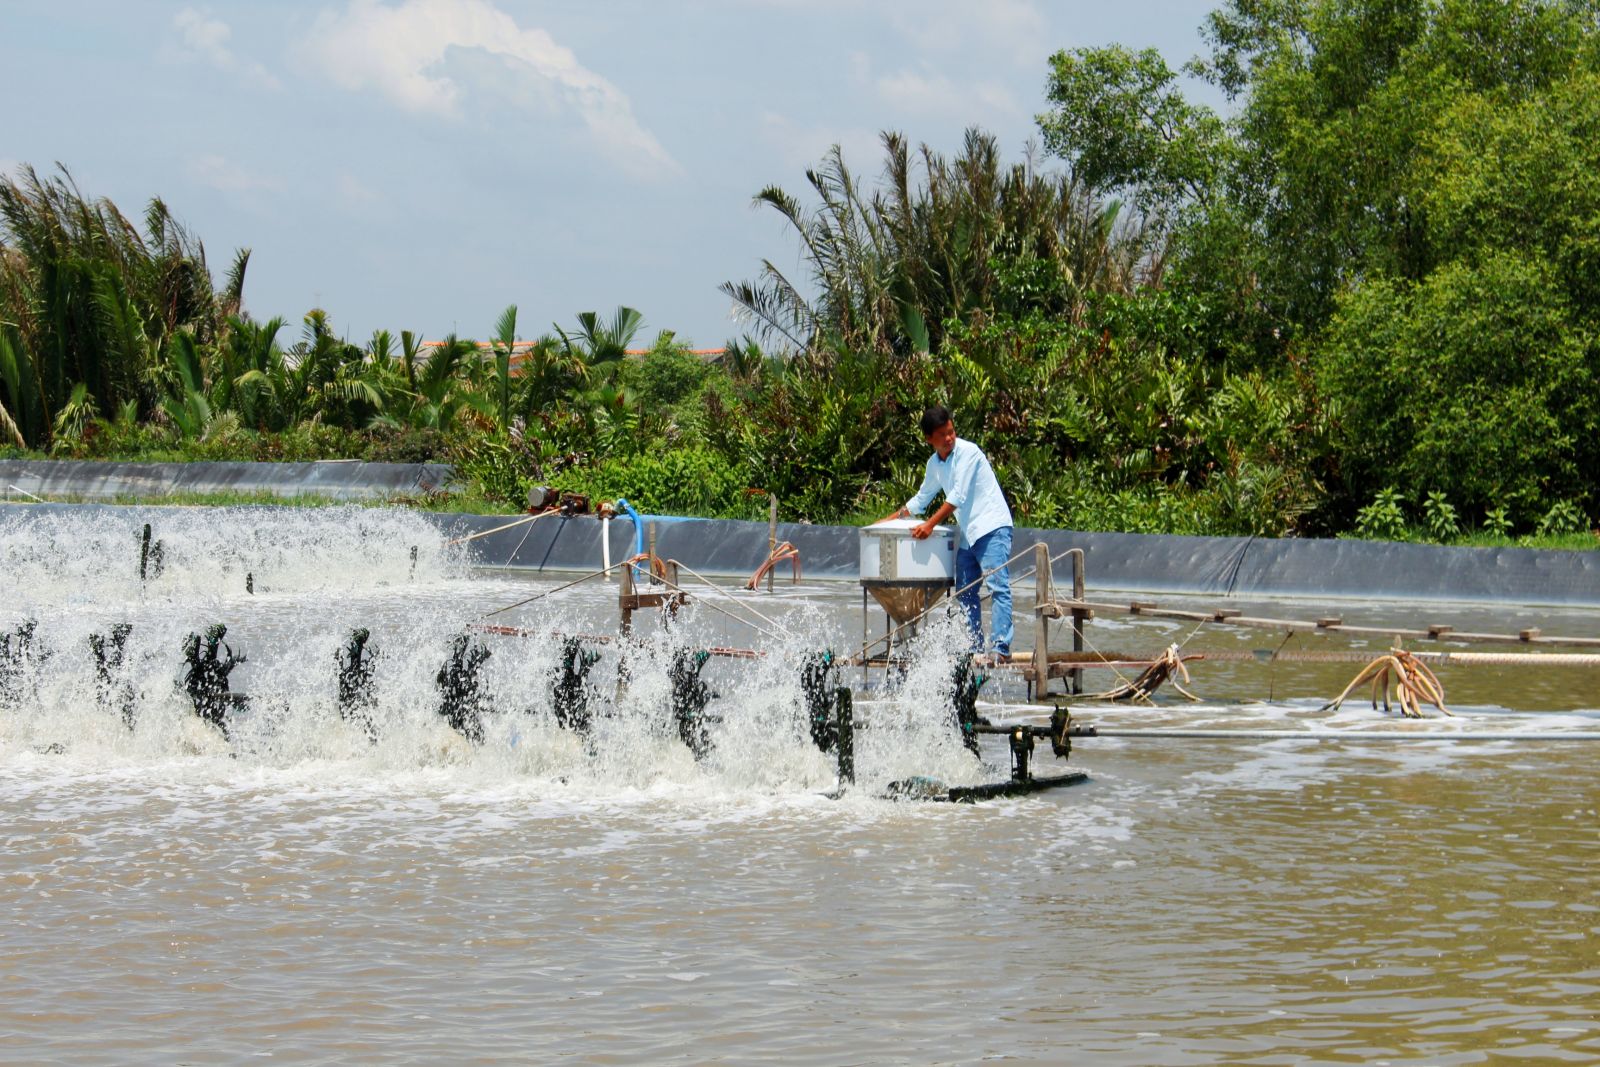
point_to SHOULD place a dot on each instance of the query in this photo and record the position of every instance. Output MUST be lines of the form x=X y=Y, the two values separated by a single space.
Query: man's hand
x=923 y=530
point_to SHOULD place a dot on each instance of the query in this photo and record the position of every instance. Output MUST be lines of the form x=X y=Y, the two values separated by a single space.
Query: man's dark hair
x=934 y=419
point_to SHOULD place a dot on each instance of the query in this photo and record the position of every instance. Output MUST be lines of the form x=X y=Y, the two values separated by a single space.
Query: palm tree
x=938 y=238
x=601 y=347
x=444 y=383
x=502 y=343
x=550 y=373
x=90 y=299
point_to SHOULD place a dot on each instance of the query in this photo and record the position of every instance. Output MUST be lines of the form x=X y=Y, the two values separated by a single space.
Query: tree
x=937 y=239
x=600 y=346
x=1476 y=383
x=91 y=300
x=1119 y=119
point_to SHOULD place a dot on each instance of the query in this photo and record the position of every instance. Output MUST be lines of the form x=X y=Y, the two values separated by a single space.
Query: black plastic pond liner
x=1238 y=566
x=1213 y=566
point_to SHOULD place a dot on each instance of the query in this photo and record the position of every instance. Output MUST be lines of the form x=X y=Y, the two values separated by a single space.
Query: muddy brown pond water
x=300 y=894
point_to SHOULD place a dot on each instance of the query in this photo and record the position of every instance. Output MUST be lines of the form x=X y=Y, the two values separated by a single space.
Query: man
x=972 y=494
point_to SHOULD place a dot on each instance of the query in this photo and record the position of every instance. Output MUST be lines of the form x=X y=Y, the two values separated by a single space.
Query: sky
x=422 y=164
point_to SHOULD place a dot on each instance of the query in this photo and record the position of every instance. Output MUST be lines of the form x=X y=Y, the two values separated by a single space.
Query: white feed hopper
x=890 y=554
x=903 y=574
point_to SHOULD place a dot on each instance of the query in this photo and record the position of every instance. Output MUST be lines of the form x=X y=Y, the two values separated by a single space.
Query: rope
x=783 y=630
x=1087 y=640
x=498 y=529
x=525 y=534
x=1272 y=664
x=764 y=631
x=1126 y=681
x=783 y=551
x=664 y=580
x=568 y=585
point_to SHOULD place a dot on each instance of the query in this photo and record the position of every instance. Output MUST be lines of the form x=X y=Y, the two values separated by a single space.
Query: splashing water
x=291 y=585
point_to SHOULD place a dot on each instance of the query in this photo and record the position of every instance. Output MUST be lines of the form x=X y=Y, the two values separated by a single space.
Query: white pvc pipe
x=605 y=545
x=1346 y=735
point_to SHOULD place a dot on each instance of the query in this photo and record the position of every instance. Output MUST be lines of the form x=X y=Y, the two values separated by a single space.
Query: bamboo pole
x=1039 y=677
x=1225 y=617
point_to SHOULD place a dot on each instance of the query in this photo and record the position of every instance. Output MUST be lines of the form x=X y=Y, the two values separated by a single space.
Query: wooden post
x=866 y=637
x=652 y=553
x=1042 y=595
x=772 y=533
x=625 y=599
x=1079 y=616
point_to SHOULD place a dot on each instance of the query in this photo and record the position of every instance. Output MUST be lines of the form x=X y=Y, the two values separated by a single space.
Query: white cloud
x=218 y=173
x=353 y=190
x=1014 y=28
x=205 y=38
x=938 y=95
x=400 y=52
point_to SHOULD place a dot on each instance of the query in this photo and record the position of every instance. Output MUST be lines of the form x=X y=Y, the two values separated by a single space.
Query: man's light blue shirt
x=970 y=487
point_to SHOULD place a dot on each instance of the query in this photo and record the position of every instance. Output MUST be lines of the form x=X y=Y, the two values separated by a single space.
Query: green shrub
x=1497 y=522
x=665 y=376
x=406 y=445
x=498 y=468
x=1564 y=517
x=688 y=481
x=1384 y=519
x=1440 y=517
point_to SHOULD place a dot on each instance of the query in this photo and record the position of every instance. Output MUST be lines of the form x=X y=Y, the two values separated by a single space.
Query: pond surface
x=296 y=892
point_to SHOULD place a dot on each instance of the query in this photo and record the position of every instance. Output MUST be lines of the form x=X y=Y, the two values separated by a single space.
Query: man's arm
x=915 y=506
x=924 y=530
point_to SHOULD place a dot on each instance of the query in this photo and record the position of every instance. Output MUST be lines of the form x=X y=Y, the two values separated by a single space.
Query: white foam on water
x=316 y=574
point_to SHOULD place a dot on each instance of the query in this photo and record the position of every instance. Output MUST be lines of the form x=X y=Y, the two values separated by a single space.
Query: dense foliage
x=1403 y=203
x=1364 y=299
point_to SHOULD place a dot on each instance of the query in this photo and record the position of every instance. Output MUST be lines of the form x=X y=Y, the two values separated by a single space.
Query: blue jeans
x=990 y=551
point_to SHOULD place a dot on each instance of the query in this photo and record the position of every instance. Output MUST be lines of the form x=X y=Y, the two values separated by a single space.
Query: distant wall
x=338 y=479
